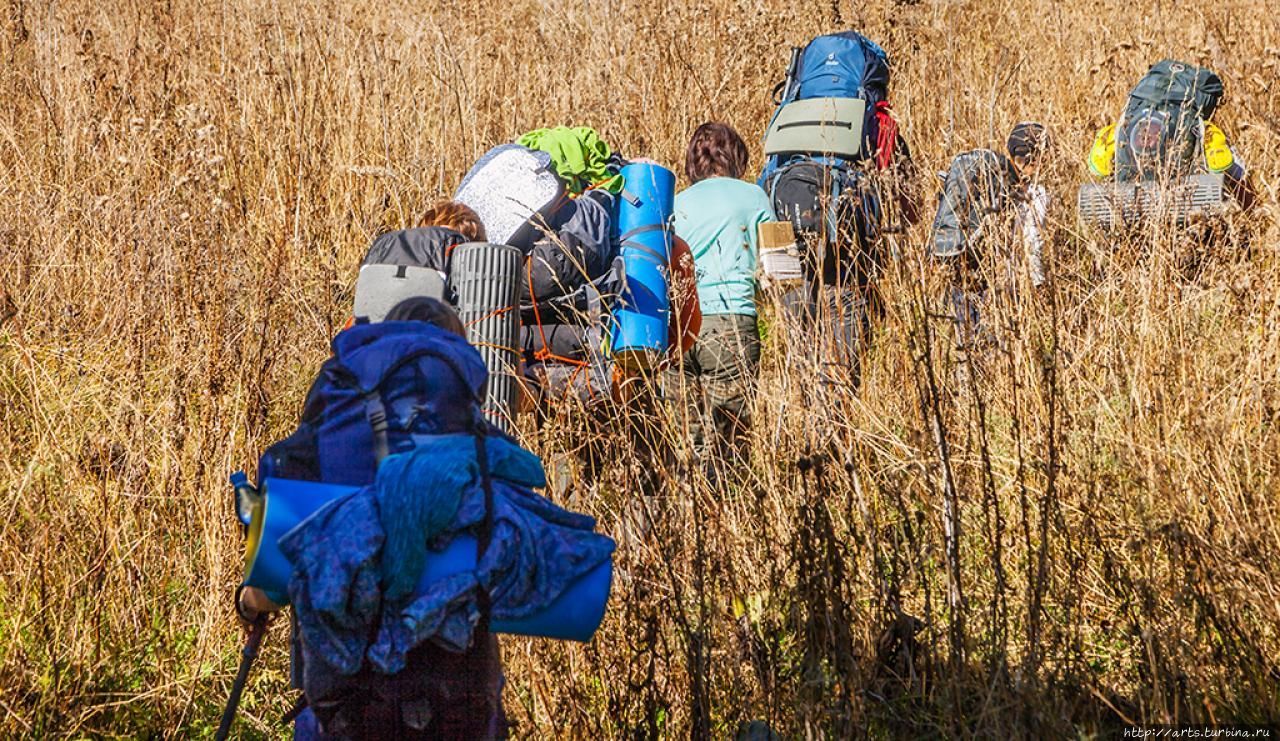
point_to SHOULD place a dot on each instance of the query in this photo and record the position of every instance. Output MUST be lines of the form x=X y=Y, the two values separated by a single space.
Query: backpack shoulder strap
x=371 y=394
x=376 y=412
x=485 y=536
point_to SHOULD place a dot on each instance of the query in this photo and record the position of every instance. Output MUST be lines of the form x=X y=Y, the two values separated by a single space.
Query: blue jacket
x=357 y=562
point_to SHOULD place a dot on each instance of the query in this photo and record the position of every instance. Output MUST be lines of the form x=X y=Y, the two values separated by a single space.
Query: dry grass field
x=186 y=189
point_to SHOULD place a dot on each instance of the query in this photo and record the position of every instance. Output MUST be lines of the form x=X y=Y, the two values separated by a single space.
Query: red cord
x=544 y=353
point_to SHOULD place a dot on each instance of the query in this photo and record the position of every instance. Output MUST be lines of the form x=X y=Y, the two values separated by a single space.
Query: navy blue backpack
x=826 y=195
x=384 y=384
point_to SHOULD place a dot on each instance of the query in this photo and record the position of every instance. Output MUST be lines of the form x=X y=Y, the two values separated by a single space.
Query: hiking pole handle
x=790 y=84
x=247 y=656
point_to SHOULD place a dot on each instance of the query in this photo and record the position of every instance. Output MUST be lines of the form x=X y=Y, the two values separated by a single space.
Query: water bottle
x=247 y=497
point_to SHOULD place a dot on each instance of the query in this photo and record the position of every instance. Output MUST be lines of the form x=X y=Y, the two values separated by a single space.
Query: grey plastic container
x=1114 y=205
x=486 y=280
x=818 y=126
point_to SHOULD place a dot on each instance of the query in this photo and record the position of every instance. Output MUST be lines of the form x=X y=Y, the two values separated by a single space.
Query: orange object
x=686 y=314
x=544 y=353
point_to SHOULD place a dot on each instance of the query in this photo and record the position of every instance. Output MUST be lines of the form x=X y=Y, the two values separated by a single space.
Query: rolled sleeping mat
x=574 y=615
x=644 y=229
x=486 y=280
x=380 y=287
x=284 y=504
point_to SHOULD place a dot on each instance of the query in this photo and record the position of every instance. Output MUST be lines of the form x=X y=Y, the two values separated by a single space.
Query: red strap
x=544 y=353
x=888 y=138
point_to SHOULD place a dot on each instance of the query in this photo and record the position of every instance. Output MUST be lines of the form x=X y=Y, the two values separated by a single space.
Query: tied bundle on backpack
x=571 y=254
x=779 y=257
x=1155 y=154
x=566 y=284
x=515 y=191
x=397 y=520
x=831 y=129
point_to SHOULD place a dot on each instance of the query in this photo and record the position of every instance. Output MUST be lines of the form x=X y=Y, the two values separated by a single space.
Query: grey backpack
x=975 y=189
x=1160 y=131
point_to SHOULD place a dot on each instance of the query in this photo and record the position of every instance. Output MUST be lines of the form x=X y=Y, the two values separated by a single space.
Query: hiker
x=441 y=228
x=1166 y=132
x=838 y=168
x=988 y=202
x=564 y=317
x=719 y=216
x=439 y=693
x=568 y=275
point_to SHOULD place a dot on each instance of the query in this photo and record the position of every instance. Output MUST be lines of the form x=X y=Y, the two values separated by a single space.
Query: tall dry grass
x=1075 y=530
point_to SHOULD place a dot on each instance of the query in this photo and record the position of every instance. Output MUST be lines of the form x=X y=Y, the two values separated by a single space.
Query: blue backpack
x=384 y=384
x=835 y=213
x=387 y=386
x=840 y=65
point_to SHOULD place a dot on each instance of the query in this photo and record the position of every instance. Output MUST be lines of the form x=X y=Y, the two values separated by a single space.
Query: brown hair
x=455 y=216
x=715 y=150
x=429 y=310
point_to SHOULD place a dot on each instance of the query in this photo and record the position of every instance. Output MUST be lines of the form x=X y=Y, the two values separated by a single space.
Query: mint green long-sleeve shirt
x=719 y=218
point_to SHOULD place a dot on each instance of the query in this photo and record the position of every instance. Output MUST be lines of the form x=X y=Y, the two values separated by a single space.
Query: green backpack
x=1160 y=131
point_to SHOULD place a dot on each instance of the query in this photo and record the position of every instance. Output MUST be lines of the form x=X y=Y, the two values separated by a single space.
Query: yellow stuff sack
x=1102 y=158
x=1217 y=154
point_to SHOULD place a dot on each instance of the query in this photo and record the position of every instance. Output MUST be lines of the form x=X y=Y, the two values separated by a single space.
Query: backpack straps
x=627 y=241
x=376 y=412
x=485 y=536
x=833 y=206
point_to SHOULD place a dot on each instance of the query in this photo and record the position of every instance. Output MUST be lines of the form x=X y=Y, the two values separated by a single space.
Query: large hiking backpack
x=841 y=65
x=975 y=190
x=1161 y=130
x=823 y=190
x=577 y=255
x=515 y=191
x=403 y=264
x=384 y=384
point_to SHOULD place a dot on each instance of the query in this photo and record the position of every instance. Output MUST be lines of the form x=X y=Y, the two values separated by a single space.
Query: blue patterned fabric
x=357 y=562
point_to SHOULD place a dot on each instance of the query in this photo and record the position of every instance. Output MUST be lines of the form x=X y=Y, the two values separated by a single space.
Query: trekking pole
x=793 y=68
x=247 y=655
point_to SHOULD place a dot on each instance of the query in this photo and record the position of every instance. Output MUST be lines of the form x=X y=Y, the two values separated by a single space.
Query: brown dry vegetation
x=186 y=188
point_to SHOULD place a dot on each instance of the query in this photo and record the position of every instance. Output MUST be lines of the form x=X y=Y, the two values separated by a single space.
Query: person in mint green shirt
x=719 y=216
